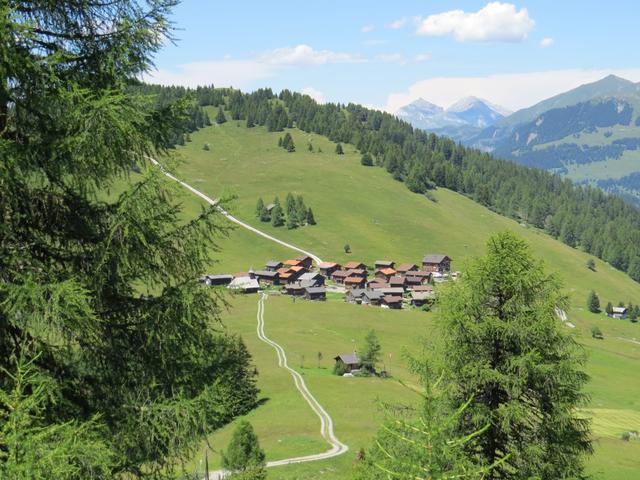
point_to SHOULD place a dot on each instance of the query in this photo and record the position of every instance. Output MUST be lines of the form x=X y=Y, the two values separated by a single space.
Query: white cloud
x=367 y=28
x=314 y=93
x=223 y=73
x=422 y=57
x=397 y=24
x=495 y=22
x=372 y=42
x=547 y=42
x=513 y=91
x=306 y=55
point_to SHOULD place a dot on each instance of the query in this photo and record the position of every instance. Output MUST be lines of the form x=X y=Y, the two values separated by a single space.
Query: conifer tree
x=366 y=160
x=280 y=141
x=371 y=352
x=220 y=117
x=244 y=452
x=339 y=150
x=593 y=302
x=250 y=122
x=291 y=147
x=259 y=207
x=300 y=211
x=609 y=308
x=310 y=218
x=277 y=217
x=290 y=206
x=310 y=147
x=99 y=294
x=507 y=354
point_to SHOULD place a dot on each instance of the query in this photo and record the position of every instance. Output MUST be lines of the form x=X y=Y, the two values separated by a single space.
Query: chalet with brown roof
x=358 y=272
x=377 y=284
x=340 y=276
x=292 y=263
x=391 y=301
x=380 y=264
x=327 y=268
x=305 y=260
x=355 y=282
x=436 y=263
x=397 y=282
x=351 y=361
x=355 y=266
x=385 y=273
x=422 y=288
x=415 y=280
x=294 y=289
x=395 y=291
x=406 y=267
x=249 y=274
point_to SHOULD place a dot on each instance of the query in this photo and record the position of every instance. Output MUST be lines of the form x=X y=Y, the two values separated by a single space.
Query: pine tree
x=591 y=265
x=264 y=215
x=290 y=207
x=593 y=302
x=75 y=262
x=291 y=147
x=220 y=118
x=371 y=352
x=280 y=141
x=277 y=217
x=339 y=150
x=301 y=211
x=609 y=308
x=310 y=147
x=310 y=218
x=259 y=207
x=244 y=452
x=506 y=351
x=366 y=160
x=250 y=122
x=634 y=269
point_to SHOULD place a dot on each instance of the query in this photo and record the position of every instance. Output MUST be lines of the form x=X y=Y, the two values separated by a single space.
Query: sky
x=386 y=54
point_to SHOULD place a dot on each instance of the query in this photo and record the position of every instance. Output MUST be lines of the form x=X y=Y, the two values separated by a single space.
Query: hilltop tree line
x=294 y=214
x=580 y=216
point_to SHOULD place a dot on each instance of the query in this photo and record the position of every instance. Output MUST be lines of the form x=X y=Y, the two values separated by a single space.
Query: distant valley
x=590 y=134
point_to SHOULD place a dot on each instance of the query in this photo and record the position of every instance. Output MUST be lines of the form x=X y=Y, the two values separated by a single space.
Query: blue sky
x=386 y=54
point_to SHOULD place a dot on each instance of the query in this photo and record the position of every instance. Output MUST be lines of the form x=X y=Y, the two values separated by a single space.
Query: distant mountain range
x=590 y=134
x=464 y=119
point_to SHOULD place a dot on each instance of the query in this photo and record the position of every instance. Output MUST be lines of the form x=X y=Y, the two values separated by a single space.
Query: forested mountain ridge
x=582 y=217
x=589 y=134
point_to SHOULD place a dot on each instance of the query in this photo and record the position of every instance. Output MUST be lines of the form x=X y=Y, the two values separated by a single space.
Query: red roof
x=297 y=269
x=405 y=267
x=387 y=271
x=293 y=263
x=327 y=264
x=391 y=299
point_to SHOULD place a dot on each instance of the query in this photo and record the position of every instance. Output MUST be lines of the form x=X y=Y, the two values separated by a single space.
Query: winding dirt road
x=326 y=422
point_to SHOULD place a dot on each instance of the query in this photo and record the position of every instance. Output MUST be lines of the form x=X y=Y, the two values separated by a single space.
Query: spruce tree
x=310 y=147
x=244 y=452
x=371 y=352
x=310 y=218
x=366 y=160
x=280 y=141
x=290 y=207
x=220 y=118
x=99 y=293
x=259 y=207
x=507 y=353
x=301 y=211
x=609 y=308
x=250 y=122
x=291 y=147
x=339 y=150
x=277 y=217
x=593 y=302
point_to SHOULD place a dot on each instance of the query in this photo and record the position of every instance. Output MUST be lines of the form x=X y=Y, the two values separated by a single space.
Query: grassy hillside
x=380 y=219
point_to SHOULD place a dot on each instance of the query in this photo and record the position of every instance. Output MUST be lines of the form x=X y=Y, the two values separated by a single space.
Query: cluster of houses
x=386 y=285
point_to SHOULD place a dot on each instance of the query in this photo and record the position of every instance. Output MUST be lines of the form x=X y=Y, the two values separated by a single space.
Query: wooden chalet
x=404 y=268
x=354 y=295
x=391 y=301
x=294 y=289
x=358 y=272
x=214 y=280
x=385 y=273
x=436 y=263
x=397 y=282
x=305 y=260
x=351 y=361
x=327 y=268
x=292 y=263
x=340 y=276
x=267 y=277
x=317 y=279
x=315 y=293
x=380 y=264
x=418 y=299
x=355 y=282
x=354 y=266
x=422 y=288
x=273 y=265
x=371 y=297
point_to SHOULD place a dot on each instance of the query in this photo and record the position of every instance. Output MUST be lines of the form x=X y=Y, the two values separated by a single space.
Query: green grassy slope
x=380 y=218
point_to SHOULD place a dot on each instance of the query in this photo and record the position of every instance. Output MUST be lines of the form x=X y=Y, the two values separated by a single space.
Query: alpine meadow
x=236 y=244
